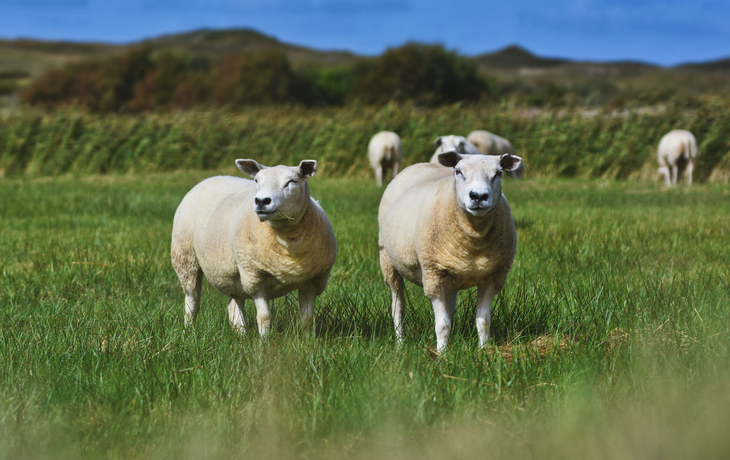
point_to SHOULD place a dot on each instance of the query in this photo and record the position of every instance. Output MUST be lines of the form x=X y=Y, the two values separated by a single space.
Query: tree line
x=147 y=79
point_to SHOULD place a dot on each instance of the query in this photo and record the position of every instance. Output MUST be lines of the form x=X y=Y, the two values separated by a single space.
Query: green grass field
x=610 y=340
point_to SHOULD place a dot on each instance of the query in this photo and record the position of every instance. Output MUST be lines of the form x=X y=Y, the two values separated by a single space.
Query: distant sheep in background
x=385 y=151
x=253 y=239
x=453 y=143
x=491 y=144
x=677 y=146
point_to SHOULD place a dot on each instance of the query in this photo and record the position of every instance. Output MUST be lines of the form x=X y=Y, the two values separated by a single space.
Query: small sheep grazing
x=385 y=151
x=491 y=144
x=453 y=143
x=677 y=146
x=255 y=240
x=448 y=230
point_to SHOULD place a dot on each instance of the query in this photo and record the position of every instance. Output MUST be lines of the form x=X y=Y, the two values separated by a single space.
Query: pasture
x=610 y=340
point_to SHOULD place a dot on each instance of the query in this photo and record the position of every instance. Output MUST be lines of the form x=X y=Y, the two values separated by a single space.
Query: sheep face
x=448 y=143
x=282 y=192
x=478 y=179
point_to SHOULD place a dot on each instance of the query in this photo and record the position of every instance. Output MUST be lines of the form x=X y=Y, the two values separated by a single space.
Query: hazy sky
x=663 y=32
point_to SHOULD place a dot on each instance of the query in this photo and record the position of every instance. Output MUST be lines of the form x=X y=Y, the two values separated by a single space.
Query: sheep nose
x=476 y=196
x=262 y=201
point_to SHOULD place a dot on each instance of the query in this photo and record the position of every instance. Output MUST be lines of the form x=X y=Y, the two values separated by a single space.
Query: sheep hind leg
x=307 y=295
x=675 y=173
x=191 y=279
x=379 y=175
x=688 y=171
x=394 y=280
x=235 y=315
x=192 y=298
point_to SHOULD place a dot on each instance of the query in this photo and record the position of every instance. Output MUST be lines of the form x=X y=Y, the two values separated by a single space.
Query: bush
x=425 y=74
x=259 y=78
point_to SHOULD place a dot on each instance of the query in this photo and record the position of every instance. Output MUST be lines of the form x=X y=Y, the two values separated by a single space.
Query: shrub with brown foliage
x=424 y=74
x=258 y=78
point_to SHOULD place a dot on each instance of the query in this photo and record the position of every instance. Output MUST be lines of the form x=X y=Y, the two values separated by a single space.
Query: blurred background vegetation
x=242 y=67
x=201 y=99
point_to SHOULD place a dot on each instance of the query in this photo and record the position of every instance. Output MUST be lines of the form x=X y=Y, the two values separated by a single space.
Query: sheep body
x=453 y=143
x=433 y=234
x=252 y=251
x=491 y=144
x=385 y=151
x=677 y=146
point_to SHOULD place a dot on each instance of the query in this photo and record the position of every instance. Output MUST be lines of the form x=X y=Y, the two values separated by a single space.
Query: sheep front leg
x=444 y=304
x=307 y=295
x=485 y=296
x=263 y=314
x=443 y=300
x=664 y=171
x=235 y=315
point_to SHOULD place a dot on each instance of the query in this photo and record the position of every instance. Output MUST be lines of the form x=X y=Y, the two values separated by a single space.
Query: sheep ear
x=509 y=162
x=250 y=167
x=449 y=159
x=437 y=142
x=307 y=168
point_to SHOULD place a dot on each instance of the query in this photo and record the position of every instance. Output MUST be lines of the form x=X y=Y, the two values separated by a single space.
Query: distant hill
x=514 y=57
x=33 y=57
x=222 y=42
x=24 y=59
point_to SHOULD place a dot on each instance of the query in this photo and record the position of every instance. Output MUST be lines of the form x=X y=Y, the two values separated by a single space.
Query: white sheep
x=677 y=145
x=255 y=240
x=385 y=151
x=448 y=230
x=491 y=144
x=453 y=143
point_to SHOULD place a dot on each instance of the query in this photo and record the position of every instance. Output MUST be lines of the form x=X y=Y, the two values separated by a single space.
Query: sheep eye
x=293 y=181
x=458 y=172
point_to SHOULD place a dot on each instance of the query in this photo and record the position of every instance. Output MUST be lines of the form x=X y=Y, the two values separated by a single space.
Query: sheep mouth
x=479 y=211
x=265 y=215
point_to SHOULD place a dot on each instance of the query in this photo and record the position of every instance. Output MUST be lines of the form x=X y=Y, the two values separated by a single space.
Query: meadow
x=610 y=340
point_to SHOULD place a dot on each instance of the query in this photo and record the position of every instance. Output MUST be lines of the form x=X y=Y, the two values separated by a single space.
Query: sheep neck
x=294 y=232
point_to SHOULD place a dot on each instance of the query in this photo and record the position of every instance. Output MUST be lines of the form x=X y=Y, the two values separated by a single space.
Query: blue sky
x=662 y=32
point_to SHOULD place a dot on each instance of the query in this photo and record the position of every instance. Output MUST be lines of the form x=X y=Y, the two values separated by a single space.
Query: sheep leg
x=394 y=280
x=395 y=170
x=688 y=171
x=379 y=175
x=307 y=295
x=485 y=296
x=235 y=315
x=675 y=172
x=263 y=314
x=665 y=172
x=443 y=307
x=192 y=291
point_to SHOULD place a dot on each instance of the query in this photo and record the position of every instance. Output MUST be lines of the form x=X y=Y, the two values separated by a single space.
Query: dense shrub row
x=146 y=78
x=553 y=143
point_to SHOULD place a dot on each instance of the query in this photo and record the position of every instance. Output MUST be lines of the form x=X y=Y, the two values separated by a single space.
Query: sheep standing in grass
x=491 y=144
x=453 y=143
x=385 y=151
x=677 y=146
x=255 y=240
x=448 y=230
